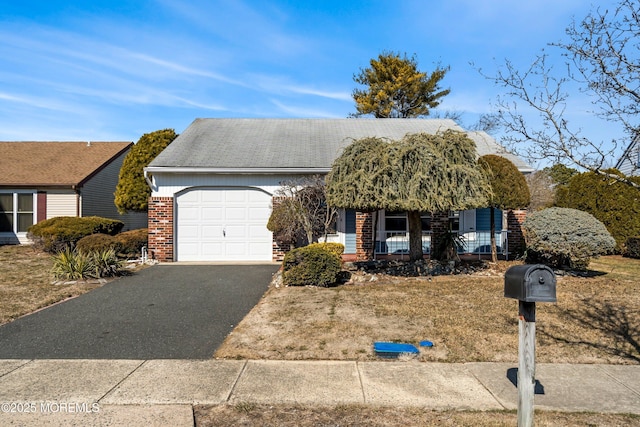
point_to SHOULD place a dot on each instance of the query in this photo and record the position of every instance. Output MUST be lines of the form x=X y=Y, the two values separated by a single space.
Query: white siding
x=61 y=203
x=167 y=185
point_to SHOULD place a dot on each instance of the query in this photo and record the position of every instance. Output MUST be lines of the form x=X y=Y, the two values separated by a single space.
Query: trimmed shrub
x=59 y=233
x=632 y=249
x=615 y=204
x=562 y=237
x=311 y=266
x=336 y=248
x=96 y=243
x=130 y=243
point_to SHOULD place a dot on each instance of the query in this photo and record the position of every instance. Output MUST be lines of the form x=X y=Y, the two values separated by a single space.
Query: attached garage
x=223 y=224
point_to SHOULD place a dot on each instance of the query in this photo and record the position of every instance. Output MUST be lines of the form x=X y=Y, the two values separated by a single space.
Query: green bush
x=336 y=248
x=96 y=243
x=311 y=266
x=562 y=237
x=632 y=247
x=59 y=233
x=615 y=204
x=130 y=243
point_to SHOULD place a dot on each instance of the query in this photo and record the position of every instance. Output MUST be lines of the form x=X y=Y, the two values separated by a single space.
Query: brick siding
x=161 y=228
x=364 y=236
x=515 y=219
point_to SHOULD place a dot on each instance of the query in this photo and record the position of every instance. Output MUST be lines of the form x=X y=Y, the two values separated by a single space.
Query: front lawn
x=26 y=283
x=596 y=319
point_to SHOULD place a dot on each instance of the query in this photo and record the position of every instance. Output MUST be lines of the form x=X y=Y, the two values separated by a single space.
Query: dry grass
x=596 y=319
x=357 y=415
x=26 y=282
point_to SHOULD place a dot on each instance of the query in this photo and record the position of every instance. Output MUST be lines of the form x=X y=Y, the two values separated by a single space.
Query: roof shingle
x=294 y=143
x=40 y=164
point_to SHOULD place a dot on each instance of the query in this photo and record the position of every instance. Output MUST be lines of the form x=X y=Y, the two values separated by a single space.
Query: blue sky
x=115 y=69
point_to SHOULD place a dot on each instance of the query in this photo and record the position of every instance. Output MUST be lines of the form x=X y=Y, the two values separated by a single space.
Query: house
x=629 y=163
x=42 y=180
x=213 y=188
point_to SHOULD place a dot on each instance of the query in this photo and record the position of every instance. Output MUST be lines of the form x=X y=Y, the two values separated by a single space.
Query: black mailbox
x=530 y=283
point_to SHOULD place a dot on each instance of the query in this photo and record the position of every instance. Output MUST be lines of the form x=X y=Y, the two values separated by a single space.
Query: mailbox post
x=528 y=284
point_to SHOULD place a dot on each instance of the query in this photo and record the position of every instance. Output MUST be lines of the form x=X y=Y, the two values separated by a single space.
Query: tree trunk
x=494 y=249
x=415 y=235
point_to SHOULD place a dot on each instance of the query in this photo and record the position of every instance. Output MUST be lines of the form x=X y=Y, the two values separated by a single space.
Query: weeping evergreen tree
x=419 y=173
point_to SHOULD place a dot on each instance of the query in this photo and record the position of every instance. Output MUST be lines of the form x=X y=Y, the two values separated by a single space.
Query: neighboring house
x=42 y=180
x=629 y=163
x=213 y=188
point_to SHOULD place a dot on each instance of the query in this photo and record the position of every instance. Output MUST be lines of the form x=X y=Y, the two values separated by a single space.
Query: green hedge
x=130 y=243
x=96 y=243
x=311 y=265
x=59 y=233
x=632 y=247
x=336 y=248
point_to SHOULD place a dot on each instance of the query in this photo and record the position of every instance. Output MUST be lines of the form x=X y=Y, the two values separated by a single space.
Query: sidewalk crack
x=235 y=383
x=364 y=395
x=122 y=380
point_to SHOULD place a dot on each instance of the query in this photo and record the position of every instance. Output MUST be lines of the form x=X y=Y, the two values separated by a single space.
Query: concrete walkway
x=162 y=392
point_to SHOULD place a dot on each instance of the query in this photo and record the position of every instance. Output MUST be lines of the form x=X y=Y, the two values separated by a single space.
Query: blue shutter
x=483 y=219
x=350 y=232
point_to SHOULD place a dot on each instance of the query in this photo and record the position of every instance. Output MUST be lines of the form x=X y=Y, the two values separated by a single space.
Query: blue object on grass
x=426 y=344
x=393 y=349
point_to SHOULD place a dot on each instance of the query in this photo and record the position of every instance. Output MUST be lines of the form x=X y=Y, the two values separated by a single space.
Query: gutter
x=147 y=179
x=247 y=171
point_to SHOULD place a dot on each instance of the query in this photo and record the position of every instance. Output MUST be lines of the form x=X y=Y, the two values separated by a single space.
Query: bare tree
x=601 y=57
x=302 y=212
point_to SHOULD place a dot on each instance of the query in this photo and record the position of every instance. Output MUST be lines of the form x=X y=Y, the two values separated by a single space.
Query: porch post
x=364 y=236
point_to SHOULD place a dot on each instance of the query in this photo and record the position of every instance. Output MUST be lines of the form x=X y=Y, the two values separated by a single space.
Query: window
x=16 y=212
x=397 y=221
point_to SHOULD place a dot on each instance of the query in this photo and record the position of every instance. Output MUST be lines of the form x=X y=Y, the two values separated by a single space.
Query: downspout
x=75 y=188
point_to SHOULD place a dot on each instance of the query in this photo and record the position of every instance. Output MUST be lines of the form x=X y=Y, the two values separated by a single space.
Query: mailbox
x=530 y=283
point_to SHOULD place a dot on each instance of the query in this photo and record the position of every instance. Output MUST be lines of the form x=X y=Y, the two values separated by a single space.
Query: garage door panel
x=223 y=225
x=211 y=232
x=236 y=214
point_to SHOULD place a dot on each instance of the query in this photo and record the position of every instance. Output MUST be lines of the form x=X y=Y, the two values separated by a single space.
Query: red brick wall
x=515 y=236
x=364 y=236
x=161 y=228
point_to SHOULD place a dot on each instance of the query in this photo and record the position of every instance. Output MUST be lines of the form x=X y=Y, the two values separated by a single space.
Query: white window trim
x=15 y=193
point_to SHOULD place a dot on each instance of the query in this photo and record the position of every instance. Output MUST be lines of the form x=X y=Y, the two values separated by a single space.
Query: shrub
x=311 y=266
x=106 y=263
x=59 y=233
x=70 y=264
x=562 y=237
x=336 y=248
x=615 y=204
x=632 y=249
x=96 y=243
x=130 y=243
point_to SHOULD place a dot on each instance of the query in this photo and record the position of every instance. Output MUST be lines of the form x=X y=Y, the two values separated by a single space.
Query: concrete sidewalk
x=162 y=392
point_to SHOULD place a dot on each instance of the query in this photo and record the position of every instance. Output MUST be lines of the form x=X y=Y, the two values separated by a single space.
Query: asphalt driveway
x=162 y=312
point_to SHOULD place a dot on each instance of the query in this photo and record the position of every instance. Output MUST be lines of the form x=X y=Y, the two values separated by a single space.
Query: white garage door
x=223 y=224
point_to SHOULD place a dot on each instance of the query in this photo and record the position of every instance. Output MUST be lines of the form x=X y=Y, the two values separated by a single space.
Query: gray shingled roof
x=292 y=143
